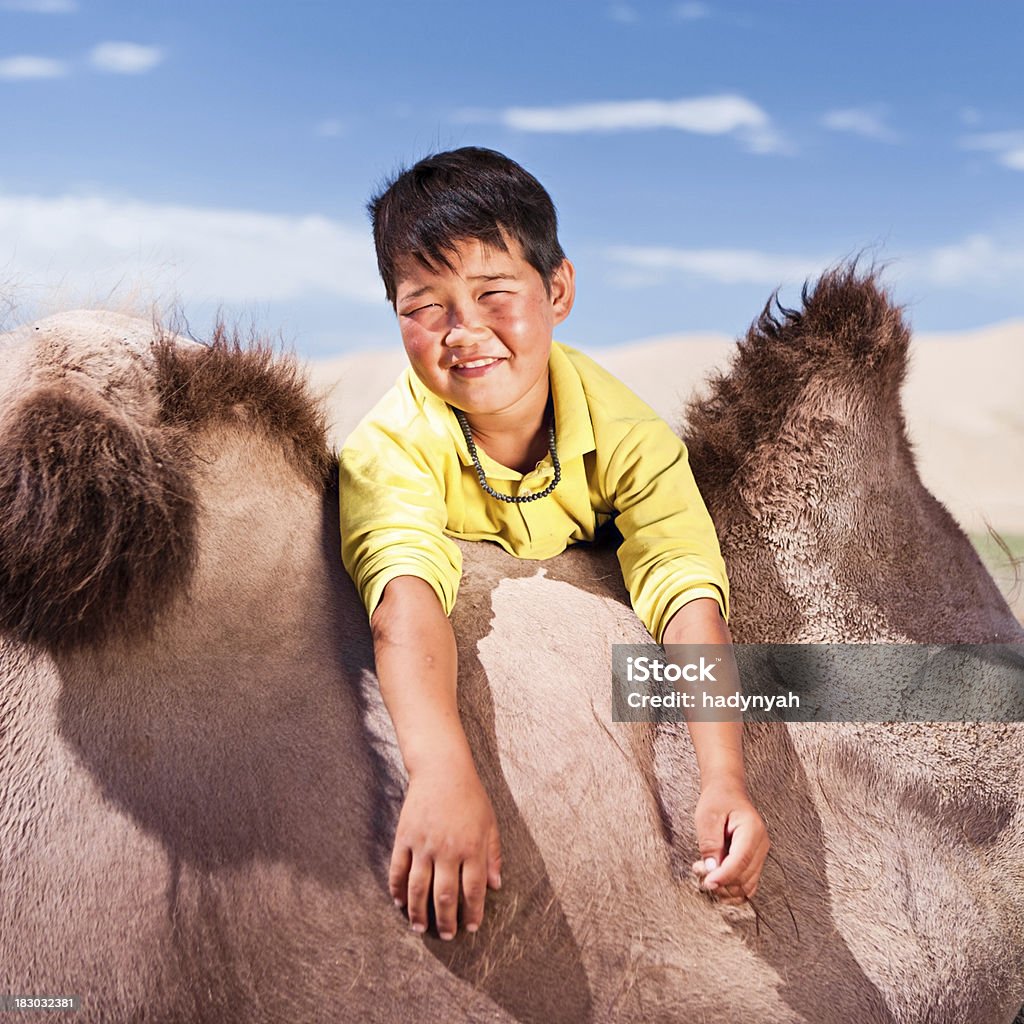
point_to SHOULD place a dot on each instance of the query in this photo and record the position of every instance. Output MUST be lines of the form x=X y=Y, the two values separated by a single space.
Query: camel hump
x=97 y=519
x=847 y=323
x=849 y=338
x=245 y=383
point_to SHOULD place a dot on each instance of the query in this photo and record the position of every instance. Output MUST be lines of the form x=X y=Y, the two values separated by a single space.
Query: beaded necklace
x=481 y=476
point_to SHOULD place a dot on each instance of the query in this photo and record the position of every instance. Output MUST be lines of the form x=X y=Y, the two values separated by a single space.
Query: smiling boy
x=496 y=432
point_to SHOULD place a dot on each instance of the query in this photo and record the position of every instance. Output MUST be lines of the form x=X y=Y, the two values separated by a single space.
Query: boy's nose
x=462 y=331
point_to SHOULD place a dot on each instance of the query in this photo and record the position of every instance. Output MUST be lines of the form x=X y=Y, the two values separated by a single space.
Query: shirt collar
x=574 y=431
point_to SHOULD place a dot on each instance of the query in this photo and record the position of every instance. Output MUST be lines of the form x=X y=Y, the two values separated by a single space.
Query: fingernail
x=711 y=886
x=398 y=902
x=498 y=882
x=447 y=936
x=420 y=928
x=472 y=927
x=710 y=863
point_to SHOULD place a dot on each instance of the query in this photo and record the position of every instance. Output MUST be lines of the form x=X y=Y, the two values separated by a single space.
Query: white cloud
x=724 y=114
x=40 y=6
x=978 y=260
x=622 y=13
x=87 y=246
x=14 y=68
x=125 y=58
x=691 y=11
x=1007 y=146
x=866 y=121
x=726 y=266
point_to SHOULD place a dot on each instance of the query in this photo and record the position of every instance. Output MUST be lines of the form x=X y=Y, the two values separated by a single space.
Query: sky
x=219 y=156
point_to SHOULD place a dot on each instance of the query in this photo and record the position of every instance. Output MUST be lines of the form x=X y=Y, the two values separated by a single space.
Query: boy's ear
x=563 y=290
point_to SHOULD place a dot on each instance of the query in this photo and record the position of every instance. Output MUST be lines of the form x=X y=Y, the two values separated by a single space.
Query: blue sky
x=700 y=154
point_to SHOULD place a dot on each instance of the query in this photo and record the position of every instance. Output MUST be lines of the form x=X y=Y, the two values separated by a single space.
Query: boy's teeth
x=476 y=362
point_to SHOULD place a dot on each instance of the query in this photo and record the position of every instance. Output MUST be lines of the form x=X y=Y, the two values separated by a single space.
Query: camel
x=199 y=783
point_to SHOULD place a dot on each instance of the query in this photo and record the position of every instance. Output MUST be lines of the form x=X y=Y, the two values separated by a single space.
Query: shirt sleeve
x=393 y=516
x=670 y=553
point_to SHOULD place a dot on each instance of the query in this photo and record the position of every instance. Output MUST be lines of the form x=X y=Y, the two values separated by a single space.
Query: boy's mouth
x=476 y=367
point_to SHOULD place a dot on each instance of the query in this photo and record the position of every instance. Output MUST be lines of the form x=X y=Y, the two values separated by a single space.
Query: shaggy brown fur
x=231 y=381
x=97 y=521
x=802 y=456
x=97 y=511
x=848 y=329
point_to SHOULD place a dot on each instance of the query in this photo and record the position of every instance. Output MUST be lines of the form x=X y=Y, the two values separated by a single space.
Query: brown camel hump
x=848 y=331
x=231 y=381
x=98 y=509
x=845 y=313
x=97 y=520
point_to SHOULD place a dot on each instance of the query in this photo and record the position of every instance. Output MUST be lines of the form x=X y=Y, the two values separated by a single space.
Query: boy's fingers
x=744 y=869
x=711 y=839
x=712 y=852
x=398 y=874
x=474 y=890
x=740 y=855
x=446 y=897
x=419 y=890
x=494 y=860
x=733 y=901
x=703 y=867
x=752 y=877
x=752 y=872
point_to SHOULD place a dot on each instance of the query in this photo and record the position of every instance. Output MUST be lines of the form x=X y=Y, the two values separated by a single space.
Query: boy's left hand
x=732 y=834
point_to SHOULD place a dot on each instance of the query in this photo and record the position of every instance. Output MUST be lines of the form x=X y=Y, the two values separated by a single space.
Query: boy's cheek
x=417 y=343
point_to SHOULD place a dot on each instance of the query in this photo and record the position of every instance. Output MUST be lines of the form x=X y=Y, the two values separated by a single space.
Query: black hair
x=466 y=193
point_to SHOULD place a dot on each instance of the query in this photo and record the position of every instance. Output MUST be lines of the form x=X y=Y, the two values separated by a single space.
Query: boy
x=496 y=432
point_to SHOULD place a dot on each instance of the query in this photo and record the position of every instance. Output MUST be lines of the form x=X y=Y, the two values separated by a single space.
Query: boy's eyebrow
x=416 y=294
x=510 y=276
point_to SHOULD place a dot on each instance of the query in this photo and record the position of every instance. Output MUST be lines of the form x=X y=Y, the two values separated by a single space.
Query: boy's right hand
x=447 y=833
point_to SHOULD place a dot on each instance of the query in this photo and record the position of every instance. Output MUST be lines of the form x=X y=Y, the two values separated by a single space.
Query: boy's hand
x=447 y=833
x=733 y=842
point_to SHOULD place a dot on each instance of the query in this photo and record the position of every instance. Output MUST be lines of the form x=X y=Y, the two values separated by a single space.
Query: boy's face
x=479 y=336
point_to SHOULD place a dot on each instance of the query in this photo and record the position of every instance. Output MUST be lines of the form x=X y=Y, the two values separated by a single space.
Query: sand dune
x=962 y=400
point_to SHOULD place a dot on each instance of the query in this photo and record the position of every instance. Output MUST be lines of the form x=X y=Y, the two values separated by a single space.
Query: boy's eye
x=418 y=309
x=495 y=292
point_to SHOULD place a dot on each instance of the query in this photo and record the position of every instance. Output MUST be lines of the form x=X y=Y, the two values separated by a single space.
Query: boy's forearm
x=718 y=745
x=417 y=667
x=719 y=750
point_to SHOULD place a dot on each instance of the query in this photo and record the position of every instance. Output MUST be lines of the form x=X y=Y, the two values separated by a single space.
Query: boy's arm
x=731 y=835
x=407 y=572
x=670 y=552
x=393 y=515
x=673 y=568
x=447 y=828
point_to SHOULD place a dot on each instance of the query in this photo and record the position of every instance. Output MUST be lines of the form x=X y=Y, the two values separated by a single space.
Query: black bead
x=482 y=477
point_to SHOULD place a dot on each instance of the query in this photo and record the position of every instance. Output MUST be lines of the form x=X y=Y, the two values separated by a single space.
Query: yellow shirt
x=408 y=486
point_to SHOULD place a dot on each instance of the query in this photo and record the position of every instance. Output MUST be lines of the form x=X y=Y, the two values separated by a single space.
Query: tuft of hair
x=468 y=193
x=848 y=329
x=244 y=382
x=98 y=511
x=97 y=521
